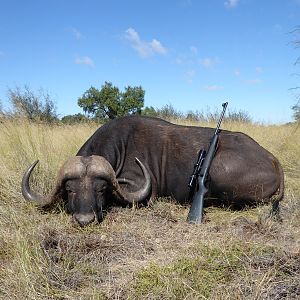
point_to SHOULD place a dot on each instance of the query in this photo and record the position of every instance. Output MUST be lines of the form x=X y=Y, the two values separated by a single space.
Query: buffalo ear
x=58 y=196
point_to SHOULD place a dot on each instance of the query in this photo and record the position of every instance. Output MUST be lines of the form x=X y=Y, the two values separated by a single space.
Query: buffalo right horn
x=143 y=192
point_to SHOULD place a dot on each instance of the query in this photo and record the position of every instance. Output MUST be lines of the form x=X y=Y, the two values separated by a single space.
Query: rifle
x=198 y=179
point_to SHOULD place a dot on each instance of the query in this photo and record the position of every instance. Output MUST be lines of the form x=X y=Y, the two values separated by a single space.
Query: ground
x=143 y=253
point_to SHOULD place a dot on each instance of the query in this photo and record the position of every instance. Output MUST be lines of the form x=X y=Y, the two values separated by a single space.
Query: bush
x=74 y=119
x=169 y=112
x=195 y=116
x=149 y=111
x=239 y=116
x=296 y=109
x=34 y=106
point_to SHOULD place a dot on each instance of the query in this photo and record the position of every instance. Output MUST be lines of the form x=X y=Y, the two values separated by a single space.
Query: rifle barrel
x=221 y=118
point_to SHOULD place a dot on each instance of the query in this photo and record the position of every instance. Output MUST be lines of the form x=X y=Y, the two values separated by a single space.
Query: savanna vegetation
x=138 y=253
x=102 y=105
x=142 y=253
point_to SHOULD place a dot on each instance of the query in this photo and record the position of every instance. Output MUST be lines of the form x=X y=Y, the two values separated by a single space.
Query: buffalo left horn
x=28 y=194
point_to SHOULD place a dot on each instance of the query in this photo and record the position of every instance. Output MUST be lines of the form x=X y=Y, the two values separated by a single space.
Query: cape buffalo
x=134 y=159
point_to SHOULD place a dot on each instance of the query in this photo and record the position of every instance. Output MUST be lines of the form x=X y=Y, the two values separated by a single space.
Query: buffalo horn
x=142 y=193
x=28 y=194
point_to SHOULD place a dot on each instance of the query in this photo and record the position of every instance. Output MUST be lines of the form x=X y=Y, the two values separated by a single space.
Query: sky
x=191 y=54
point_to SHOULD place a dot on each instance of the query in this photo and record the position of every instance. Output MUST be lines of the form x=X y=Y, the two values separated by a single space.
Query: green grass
x=208 y=272
x=147 y=253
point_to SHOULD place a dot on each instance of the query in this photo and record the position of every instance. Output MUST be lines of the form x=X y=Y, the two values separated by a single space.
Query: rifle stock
x=196 y=210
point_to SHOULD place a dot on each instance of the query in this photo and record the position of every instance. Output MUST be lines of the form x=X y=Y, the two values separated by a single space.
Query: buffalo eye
x=100 y=190
x=100 y=187
x=70 y=187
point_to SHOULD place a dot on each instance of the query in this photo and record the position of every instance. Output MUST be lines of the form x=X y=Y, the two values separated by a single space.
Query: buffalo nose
x=84 y=219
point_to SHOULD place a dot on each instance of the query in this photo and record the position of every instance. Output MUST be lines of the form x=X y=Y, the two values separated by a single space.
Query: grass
x=146 y=253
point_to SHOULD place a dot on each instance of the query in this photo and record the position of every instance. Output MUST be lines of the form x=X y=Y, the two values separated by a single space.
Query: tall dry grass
x=147 y=253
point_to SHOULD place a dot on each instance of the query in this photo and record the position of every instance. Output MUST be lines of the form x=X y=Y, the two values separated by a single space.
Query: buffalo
x=135 y=159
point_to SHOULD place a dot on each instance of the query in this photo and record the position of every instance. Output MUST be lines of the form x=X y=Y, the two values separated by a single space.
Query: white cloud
x=237 y=72
x=144 y=48
x=85 y=60
x=231 y=3
x=179 y=61
x=189 y=75
x=76 y=33
x=194 y=50
x=259 y=70
x=189 y=2
x=213 y=87
x=158 y=47
x=208 y=62
x=254 y=81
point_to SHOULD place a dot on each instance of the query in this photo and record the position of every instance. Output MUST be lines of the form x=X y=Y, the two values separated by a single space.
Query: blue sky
x=191 y=54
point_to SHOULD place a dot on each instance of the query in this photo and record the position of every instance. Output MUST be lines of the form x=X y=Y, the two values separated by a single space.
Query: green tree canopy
x=110 y=103
x=149 y=111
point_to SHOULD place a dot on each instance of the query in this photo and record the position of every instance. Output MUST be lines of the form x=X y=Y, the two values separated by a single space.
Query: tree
x=296 y=109
x=132 y=100
x=150 y=111
x=74 y=119
x=35 y=106
x=296 y=42
x=110 y=103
